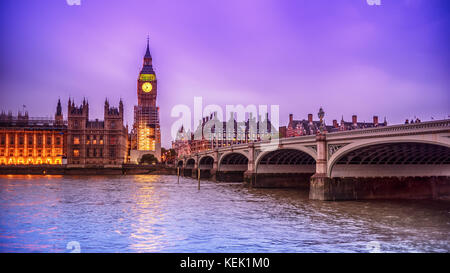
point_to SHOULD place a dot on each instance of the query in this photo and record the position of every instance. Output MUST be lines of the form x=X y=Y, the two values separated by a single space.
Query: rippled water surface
x=149 y=213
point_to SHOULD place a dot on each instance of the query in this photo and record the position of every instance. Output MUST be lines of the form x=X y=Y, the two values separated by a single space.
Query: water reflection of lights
x=148 y=234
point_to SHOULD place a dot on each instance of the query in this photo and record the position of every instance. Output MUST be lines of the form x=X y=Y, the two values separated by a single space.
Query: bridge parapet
x=429 y=127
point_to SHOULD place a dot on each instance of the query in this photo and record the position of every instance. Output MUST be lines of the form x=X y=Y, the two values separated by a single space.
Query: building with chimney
x=312 y=127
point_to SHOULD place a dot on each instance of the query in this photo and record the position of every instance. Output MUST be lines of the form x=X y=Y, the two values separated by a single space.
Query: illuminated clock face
x=147 y=87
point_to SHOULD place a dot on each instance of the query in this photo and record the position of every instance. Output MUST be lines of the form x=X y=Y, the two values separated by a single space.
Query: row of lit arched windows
x=29 y=161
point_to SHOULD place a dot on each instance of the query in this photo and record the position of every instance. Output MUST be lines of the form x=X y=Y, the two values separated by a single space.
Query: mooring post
x=178 y=175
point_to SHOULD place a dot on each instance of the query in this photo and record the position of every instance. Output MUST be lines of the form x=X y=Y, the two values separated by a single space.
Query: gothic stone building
x=96 y=143
x=28 y=140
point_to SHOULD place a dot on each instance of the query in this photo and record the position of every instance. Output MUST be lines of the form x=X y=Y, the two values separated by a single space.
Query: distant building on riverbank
x=96 y=142
x=311 y=127
x=28 y=140
x=77 y=141
x=212 y=133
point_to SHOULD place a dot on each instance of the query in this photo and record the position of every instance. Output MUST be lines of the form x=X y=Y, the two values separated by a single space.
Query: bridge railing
x=438 y=125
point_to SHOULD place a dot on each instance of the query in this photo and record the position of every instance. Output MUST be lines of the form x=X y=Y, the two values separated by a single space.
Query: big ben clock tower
x=146 y=129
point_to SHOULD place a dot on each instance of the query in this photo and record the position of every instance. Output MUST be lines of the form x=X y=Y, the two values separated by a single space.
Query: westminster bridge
x=401 y=161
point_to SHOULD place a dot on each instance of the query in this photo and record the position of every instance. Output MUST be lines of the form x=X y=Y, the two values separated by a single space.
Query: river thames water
x=150 y=213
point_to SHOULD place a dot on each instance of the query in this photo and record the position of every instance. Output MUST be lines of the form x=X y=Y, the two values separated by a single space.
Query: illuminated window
x=20 y=152
x=39 y=152
x=49 y=140
x=58 y=140
x=76 y=152
x=2 y=152
x=76 y=140
x=39 y=140
x=88 y=140
x=101 y=140
x=30 y=152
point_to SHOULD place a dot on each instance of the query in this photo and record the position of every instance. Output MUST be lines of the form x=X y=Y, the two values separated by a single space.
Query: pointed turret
x=58 y=114
x=147 y=52
x=59 y=108
x=69 y=106
x=121 y=107
x=106 y=109
x=147 y=67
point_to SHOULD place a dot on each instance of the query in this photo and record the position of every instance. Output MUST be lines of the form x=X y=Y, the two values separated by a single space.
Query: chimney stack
x=291 y=118
x=375 y=120
x=354 y=119
x=310 y=118
x=335 y=124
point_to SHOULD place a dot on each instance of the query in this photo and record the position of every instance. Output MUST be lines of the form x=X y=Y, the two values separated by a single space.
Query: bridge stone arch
x=206 y=162
x=293 y=156
x=190 y=163
x=284 y=167
x=306 y=150
x=406 y=156
x=233 y=161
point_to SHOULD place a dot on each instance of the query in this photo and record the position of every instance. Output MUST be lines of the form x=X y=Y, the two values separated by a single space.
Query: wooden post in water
x=178 y=175
x=198 y=178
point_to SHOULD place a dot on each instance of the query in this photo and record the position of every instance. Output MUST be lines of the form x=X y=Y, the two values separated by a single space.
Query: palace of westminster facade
x=80 y=142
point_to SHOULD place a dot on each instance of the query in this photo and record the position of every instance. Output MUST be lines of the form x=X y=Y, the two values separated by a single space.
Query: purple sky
x=391 y=60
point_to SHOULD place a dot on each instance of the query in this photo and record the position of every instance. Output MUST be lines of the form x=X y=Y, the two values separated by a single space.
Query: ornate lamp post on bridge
x=321 y=114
